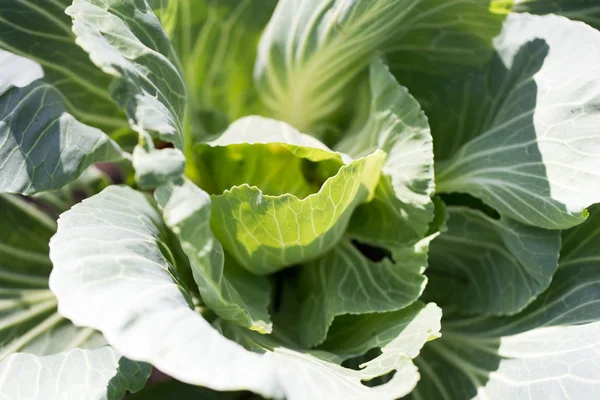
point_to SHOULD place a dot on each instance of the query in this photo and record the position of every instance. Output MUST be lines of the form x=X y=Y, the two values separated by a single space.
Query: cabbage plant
x=302 y=199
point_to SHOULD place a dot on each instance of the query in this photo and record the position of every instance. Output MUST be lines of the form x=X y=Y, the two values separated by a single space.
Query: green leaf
x=126 y=41
x=253 y=150
x=158 y=5
x=401 y=209
x=29 y=321
x=98 y=374
x=346 y=282
x=281 y=197
x=392 y=328
x=573 y=295
x=217 y=43
x=483 y=265
x=110 y=273
x=311 y=377
x=33 y=159
x=549 y=348
x=42 y=146
x=313 y=373
x=312 y=51
x=24 y=243
x=533 y=150
x=266 y=233
x=157 y=167
x=41 y=31
x=587 y=11
x=229 y=291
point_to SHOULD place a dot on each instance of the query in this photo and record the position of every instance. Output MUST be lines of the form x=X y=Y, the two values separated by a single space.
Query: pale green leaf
x=110 y=273
x=534 y=148
x=41 y=31
x=17 y=71
x=548 y=350
x=229 y=291
x=266 y=233
x=98 y=374
x=401 y=209
x=126 y=41
x=42 y=146
x=258 y=130
x=281 y=197
x=313 y=373
x=344 y=281
x=483 y=265
x=313 y=50
x=157 y=167
x=217 y=42
x=307 y=376
x=255 y=150
x=587 y=11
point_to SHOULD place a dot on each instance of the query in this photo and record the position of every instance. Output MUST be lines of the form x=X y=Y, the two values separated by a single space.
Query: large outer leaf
x=32 y=331
x=482 y=265
x=587 y=11
x=401 y=336
x=42 y=147
x=109 y=273
x=40 y=30
x=230 y=291
x=287 y=219
x=312 y=50
x=128 y=290
x=345 y=282
x=77 y=374
x=401 y=209
x=542 y=352
x=535 y=152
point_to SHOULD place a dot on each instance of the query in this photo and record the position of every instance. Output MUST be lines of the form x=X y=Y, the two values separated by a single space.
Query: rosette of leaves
x=285 y=230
